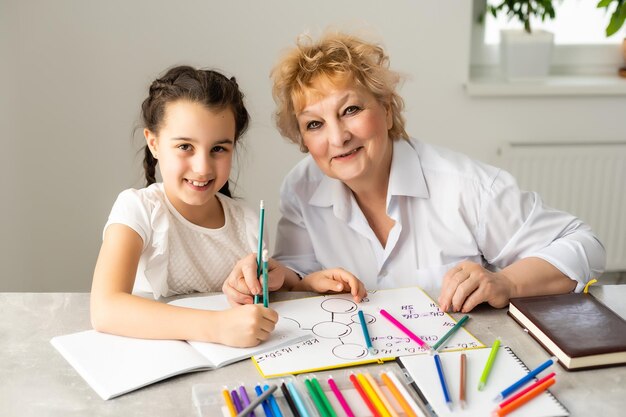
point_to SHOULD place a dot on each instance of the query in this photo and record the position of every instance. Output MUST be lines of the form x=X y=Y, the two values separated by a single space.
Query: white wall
x=73 y=75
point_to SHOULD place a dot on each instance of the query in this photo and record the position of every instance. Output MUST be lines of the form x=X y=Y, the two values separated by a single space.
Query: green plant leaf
x=604 y=3
x=617 y=20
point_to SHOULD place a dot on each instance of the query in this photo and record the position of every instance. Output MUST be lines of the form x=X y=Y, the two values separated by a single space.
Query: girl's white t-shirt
x=178 y=256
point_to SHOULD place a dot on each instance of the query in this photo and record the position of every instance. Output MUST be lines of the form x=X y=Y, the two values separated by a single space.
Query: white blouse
x=178 y=256
x=447 y=208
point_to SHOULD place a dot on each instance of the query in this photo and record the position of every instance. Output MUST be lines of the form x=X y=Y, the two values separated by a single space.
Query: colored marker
x=406 y=331
x=290 y=402
x=442 y=381
x=366 y=333
x=267 y=409
x=416 y=409
x=323 y=397
x=406 y=407
x=273 y=404
x=381 y=394
x=525 y=390
x=266 y=291
x=258 y=400
x=342 y=400
x=364 y=396
x=450 y=332
x=244 y=398
x=260 y=248
x=519 y=383
x=316 y=398
x=462 y=381
x=369 y=391
x=500 y=412
x=492 y=357
x=298 y=400
x=236 y=401
x=229 y=402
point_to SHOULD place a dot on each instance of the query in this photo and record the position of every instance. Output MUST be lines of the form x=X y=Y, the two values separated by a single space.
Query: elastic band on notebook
x=589 y=284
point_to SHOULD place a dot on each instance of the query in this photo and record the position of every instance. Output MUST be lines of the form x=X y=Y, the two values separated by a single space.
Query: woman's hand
x=469 y=284
x=335 y=280
x=245 y=326
x=242 y=283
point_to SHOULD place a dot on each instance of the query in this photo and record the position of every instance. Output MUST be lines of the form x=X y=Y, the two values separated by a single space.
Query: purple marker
x=245 y=399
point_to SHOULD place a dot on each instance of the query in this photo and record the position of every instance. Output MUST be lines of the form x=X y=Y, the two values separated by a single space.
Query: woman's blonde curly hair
x=335 y=58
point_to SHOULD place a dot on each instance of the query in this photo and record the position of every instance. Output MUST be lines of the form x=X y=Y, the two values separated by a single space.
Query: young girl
x=186 y=233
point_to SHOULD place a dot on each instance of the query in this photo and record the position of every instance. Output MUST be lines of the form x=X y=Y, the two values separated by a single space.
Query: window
x=581 y=47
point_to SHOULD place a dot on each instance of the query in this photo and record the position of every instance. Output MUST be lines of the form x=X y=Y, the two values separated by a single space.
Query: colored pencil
x=342 y=400
x=500 y=412
x=406 y=331
x=488 y=365
x=450 y=332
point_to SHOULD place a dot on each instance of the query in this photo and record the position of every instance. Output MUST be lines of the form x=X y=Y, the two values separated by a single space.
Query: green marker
x=315 y=397
x=451 y=332
x=489 y=364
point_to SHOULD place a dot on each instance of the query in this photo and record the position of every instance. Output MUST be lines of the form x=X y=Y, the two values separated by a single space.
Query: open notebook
x=114 y=365
x=338 y=340
x=507 y=368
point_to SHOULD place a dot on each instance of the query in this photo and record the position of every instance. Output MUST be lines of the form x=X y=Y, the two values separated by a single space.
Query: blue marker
x=442 y=380
x=273 y=403
x=266 y=405
x=517 y=385
x=366 y=333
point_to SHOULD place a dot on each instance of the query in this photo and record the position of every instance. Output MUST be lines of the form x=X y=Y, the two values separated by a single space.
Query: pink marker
x=340 y=397
x=406 y=331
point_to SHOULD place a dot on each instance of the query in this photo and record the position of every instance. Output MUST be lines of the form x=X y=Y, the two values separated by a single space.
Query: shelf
x=563 y=85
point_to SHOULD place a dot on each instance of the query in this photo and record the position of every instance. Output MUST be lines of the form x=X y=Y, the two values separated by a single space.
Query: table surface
x=35 y=380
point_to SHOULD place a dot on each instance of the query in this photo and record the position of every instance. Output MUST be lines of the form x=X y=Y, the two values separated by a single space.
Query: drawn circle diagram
x=369 y=319
x=331 y=330
x=338 y=305
x=349 y=351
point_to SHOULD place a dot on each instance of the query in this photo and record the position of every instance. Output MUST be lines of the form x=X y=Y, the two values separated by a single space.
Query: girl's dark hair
x=206 y=87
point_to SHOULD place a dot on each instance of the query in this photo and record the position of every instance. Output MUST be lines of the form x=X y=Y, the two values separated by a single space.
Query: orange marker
x=513 y=405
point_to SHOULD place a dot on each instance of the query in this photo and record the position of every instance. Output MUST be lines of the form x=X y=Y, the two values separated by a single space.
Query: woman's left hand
x=469 y=284
x=335 y=280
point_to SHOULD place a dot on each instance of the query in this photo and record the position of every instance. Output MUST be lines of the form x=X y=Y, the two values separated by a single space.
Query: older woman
x=395 y=211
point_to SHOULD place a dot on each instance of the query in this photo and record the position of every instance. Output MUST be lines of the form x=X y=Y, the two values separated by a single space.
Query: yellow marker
x=229 y=403
x=381 y=395
x=372 y=396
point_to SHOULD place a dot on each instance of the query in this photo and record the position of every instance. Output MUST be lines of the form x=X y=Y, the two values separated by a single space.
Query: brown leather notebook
x=576 y=328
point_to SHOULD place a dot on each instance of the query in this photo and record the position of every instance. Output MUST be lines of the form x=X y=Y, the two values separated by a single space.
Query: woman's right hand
x=246 y=325
x=336 y=280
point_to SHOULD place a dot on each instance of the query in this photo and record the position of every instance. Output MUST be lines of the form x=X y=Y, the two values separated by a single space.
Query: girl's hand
x=335 y=280
x=243 y=283
x=245 y=326
x=469 y=284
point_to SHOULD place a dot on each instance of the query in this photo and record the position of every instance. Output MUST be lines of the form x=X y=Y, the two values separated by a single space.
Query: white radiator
x=585 y=179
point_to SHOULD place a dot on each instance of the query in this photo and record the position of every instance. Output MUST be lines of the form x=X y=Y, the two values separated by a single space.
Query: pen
x=492 y=357
x=442 y=381
x=266 y=291
x=260 y=248
x=516 y=385
x=258 y=400
x=366 y=333
x=406 y=331
x=265 y=403
x=525 y=390
x=463 y=377
x=450 y=332
x=244 y=398
x=524 y=398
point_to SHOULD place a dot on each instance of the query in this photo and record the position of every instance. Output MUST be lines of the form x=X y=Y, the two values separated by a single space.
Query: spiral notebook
x=507 y=368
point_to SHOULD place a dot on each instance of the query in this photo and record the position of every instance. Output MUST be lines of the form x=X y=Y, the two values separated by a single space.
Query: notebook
x=114 y=365
x=338 y=339
x=507 y=368
x=577 y=328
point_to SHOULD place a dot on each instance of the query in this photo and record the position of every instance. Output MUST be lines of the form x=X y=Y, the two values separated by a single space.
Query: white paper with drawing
x=338 y=339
